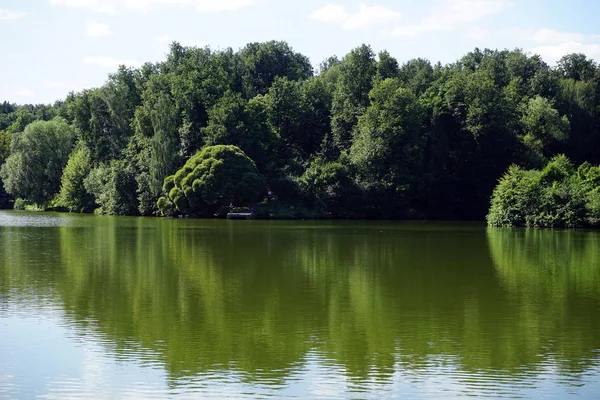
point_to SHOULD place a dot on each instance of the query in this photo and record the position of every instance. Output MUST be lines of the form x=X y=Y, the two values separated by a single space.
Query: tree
x=165 y=146
x=351 y=98
x=544 y=128
x=387 y=66
x=576 y=66
x=513 y=198
x=331 y=188
x=38 y=155
x=557 y=196
x=417 y=74
x=23 y=116
x=73 y=194
x=263 y=62
x=298 y=112
x=214 y=177
x=4 y=153
x=235 y=121
x=388 y=147
x=114 y=188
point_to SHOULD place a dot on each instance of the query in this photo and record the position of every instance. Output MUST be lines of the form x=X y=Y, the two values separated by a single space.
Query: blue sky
x=49 y=47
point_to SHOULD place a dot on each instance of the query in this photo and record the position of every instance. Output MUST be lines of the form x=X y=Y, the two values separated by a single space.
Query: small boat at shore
x=240 y=215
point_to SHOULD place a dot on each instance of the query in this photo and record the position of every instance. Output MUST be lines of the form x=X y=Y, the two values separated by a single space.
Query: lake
x=120 y=307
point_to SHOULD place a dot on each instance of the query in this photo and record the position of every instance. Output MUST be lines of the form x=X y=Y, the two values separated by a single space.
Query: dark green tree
x=388 y=148
x=330 y=188
x=262 y=62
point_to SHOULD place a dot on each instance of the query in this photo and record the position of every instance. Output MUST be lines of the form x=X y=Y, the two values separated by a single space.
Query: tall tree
x=263 y=62
x=351 y=97
x=388 y=148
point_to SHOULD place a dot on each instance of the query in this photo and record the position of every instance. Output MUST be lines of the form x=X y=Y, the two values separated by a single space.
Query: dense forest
x=361 y=137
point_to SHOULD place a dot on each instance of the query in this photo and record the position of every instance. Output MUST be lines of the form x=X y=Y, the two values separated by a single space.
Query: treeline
x=363 y=136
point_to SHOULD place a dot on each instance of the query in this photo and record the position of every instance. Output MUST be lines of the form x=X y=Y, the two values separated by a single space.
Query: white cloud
x=447 y=15
x=552 y=44
x=8 y=14
x=365 y=17
x=94 y=28
x=553 y=36
x=110 y=62
x=113 y=6
x=546 y=36
x=552 y=53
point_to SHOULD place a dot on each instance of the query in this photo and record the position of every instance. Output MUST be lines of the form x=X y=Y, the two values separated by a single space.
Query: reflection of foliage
x=257 y=298
x=545 y=271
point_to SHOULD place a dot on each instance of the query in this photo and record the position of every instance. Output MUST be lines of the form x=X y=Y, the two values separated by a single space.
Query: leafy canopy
x=216 y=176
x=38 y=155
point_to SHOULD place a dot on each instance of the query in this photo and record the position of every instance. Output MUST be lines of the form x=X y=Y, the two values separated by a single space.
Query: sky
x=51 y=47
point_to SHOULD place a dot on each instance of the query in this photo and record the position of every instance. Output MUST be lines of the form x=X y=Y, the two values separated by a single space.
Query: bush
x=19 y=204
x=557 y=196
x=214 y=177
x=330 y=187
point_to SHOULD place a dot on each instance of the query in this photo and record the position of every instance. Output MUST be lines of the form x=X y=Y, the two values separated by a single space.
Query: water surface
x=119 y=307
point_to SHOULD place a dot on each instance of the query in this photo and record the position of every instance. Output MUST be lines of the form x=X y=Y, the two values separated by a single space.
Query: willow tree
x=38 y=155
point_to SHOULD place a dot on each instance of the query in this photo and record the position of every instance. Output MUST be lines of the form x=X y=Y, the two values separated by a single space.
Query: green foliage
x=513 y=199
x=417 y=74
x=235 y=121
x=22 y=117
x=351 y=97
x=421 y=139
x=38 y=155
x=214 y=177
x=387 y=66
x=20 y=204
x=544 y=128
x=4 y=153
x=298 y=112
x=329 y=185
x=387 y=150
x=263 y=62
x=576 y=66
x=73 y=194
x=114 y=188
x=557 y=196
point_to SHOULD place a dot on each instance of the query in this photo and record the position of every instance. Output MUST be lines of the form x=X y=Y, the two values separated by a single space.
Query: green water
x=116 y=307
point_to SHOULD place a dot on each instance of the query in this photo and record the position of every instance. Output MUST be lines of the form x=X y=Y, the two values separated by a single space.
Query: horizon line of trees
x=364 y=137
